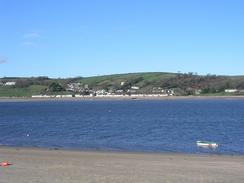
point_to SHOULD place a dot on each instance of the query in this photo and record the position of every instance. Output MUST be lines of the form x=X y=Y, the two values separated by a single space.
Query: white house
x=10 y=83
x=135 y=88
x=231 y=90
x=101 y=92
x=74 y=87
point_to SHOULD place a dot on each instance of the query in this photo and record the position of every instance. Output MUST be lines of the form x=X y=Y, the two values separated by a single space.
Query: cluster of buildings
x=82 y=91
x=133 y=90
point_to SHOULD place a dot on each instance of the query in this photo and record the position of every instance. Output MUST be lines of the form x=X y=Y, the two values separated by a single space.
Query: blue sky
x=84 y=38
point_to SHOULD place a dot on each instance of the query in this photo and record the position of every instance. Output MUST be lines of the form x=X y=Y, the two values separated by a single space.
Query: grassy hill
x=139 y=79
x=183 y=84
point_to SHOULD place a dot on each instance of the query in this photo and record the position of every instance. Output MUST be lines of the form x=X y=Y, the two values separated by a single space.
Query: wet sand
x=61 y=166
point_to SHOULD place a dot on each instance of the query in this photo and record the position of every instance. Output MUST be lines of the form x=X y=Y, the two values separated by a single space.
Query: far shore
x=6 y=99
x=65 y=166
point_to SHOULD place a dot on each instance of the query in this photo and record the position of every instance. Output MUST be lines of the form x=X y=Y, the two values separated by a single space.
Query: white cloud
x=32 y=35
x=27 y=43
x=29 y=39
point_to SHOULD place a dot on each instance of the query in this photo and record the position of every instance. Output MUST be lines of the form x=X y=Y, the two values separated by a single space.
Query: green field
x=21 y=92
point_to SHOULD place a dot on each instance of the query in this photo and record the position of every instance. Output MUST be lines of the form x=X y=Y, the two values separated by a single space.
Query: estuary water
x=125 y=125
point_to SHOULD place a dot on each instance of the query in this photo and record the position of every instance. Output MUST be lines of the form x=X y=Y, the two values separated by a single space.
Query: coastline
x=8 y=99
x=64 y=166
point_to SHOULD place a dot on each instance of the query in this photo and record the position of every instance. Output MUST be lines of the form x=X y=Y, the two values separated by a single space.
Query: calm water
x=132 y=125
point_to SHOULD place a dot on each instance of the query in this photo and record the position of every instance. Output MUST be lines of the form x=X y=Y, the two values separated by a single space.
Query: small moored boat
x=207 y=144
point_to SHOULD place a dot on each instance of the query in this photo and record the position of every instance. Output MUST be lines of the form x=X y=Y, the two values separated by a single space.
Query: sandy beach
x=62 y=166
x=25 y=99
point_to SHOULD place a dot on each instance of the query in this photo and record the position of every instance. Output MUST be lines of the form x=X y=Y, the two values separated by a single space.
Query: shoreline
x=65 y=166
x=6 y=99
x=6 y=147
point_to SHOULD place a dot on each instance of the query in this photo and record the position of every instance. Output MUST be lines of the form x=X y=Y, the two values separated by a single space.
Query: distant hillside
x=142 y=80
x=152 y=82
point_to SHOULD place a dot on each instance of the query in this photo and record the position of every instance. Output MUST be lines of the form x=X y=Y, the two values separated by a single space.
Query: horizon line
x=122 y=73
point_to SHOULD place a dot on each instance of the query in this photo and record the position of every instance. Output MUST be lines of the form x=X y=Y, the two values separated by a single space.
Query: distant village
x=80 y=90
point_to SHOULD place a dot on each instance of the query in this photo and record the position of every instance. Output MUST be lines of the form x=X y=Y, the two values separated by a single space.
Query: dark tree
x=56 y=87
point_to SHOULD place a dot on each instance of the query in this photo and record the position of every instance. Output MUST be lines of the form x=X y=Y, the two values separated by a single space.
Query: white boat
x=207 y=144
